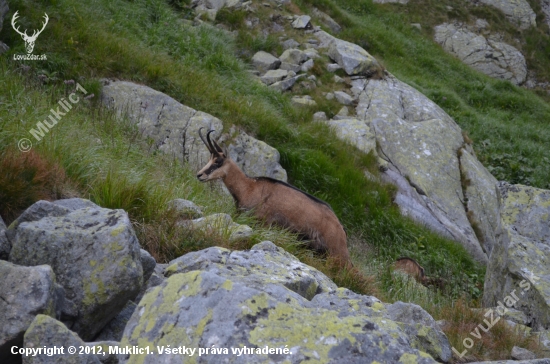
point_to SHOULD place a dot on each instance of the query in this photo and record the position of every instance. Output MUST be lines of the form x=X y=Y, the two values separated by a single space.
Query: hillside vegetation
x=92 y=154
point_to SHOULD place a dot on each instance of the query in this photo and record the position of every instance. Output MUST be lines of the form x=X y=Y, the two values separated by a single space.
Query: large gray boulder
x=95 y=256
x=423 y=152
x=253 y=156
x=487 y=55
x=211 y=7
x=46 y=332
x=518 y=12
x=264 y=61
x=520 y=263
x=24 y=293
x=173 y=128
x=256 y=301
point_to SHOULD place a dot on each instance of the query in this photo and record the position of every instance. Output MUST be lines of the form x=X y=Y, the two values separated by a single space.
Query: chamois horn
x=208 y=145
x=213 y=144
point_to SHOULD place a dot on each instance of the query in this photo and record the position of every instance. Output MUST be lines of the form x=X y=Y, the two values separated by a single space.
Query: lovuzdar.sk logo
x=29 y=40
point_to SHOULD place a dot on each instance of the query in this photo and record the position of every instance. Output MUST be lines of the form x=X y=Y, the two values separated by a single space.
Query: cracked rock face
x=517 y=11
x=218 y=298
x=94 y=254
x=521 y=262
x=494 y=58
x=171 y=127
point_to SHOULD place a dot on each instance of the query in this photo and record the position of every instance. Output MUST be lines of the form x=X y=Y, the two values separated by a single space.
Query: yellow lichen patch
x=116 y=231
x=285 y=325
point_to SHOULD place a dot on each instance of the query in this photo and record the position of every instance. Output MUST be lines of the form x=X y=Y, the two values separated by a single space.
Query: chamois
x=412 y=268
x=276 y=202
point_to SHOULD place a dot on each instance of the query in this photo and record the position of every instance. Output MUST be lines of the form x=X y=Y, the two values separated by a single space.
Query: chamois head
x=214 y=169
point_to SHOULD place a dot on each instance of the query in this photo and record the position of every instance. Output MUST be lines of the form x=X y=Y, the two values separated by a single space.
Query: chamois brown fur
x=276 y=202
x=412 y=268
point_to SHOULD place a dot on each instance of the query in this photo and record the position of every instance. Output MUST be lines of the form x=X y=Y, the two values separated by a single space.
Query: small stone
x=264 y=61
x=311 y=53
x=337 y=79
x=342 y=114
x=417 y=26
x=522 y=354
x=185 y=209
x=302 y=22
x=284 y=85
x=303 y=101
x=333 y=67
x=307 y=65
x=329 y=96
x=320 y=116
x=343 y=98
x=293 y=56
x=291 y=43
x=273 y=76
x=290 y=67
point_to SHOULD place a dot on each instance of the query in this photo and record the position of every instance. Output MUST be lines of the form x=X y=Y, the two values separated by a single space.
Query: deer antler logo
x=29 y=40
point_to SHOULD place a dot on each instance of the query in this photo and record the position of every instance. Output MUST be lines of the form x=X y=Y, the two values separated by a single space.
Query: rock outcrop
x=258 y=302
x=518 y=12
x=93 y=252
x=520 y=263
x=490 y=56
x=5 y=245
x=24 y=293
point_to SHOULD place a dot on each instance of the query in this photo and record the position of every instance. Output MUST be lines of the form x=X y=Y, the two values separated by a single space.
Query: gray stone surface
x=343 y=97
x=518 y=12
x=253 y=156
x=148 y=264
x=45 y=331
x=3 y=11
x=302 y=22
x=351 y=57
x=303 y=101
x=390 y=1
x=492 y=57
x=520 y=262
x=24 y=293
x=185 y=209
x=210 y=8
x=356 y=132
x=293 y=56
x=272 y=76
x=173 y=128
x=522 y=354
x=545 y=7
x=264 y=61
x=95 y=256
x=228 y=299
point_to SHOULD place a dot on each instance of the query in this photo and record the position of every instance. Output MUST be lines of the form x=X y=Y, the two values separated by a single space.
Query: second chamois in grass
x=415 y=270
x=276 y=202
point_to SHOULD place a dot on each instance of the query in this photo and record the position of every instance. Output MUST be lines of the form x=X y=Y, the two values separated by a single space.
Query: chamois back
x=410 y=267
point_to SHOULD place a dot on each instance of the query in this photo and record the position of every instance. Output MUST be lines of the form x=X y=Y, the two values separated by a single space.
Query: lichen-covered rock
x=492 y=57
x=518 y=12
x=206 y=309
x=185 y=209
x=293 y=56
x=211 y=7
x=481 y=199
x=5 y=245
x=303 y=101
x=532 y=361
x=171 y=127
x=265 y=266
x=46 y=332
x=221 y=225
x=418 y=144
x=105 y=356
x=255 y=157
x=95 y=256
x=522 y=354
x=520 y=263
x=264 y=61
x=343 y=97
x=115 y=328
x=272 y=76
x=24 y=293
x=355 y=131
x=148 y=264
